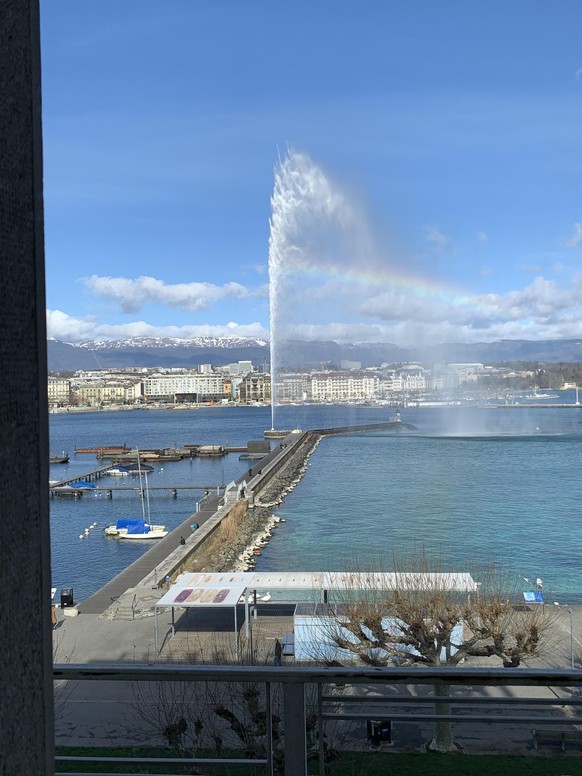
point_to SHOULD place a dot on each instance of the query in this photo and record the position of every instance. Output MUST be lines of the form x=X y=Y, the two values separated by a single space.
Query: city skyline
x=450 y=129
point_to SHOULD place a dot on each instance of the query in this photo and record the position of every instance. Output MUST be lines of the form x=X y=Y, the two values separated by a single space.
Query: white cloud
x=435 y=237
x=405 y=315
x=67 y=328
x=132 y=295
x=531 y=269
x=576 y=238
x=482 y=238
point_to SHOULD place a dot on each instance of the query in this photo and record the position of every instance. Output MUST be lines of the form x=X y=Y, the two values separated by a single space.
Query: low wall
x=177 y=561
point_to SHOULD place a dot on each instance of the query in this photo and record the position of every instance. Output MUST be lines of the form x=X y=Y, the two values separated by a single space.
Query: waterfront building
x=407 y=380
x=96 y=393
x=255 y=387
x=59 y=392
x=186 y=387
x=134 y=393
x=293 y=387
x=344 y=386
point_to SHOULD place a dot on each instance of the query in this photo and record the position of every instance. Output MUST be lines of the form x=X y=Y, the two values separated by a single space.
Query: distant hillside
x=167 y=352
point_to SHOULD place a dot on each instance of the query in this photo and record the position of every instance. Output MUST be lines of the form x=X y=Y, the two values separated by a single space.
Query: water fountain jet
x=311 y=226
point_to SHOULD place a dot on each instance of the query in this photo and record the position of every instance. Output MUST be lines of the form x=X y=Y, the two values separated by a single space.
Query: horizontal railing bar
x=162 y=760
x=529 y=720
x=556 y=677
x=485 y=700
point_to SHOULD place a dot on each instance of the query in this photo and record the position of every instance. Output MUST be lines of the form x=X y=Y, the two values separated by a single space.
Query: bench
x=556 y=737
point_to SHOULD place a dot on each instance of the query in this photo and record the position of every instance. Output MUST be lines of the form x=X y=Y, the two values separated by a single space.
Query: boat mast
x=140 y=486
x=147 y=495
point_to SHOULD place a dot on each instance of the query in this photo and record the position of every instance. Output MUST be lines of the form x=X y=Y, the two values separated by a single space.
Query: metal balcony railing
x=535 y=699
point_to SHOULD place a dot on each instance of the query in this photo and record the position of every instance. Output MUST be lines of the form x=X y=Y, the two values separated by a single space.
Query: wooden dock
x=94 y=474
x=120 y=454
x=173 y=489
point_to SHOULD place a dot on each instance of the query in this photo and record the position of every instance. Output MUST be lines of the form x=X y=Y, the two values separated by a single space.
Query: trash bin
x=66 y=597
x=379 y=731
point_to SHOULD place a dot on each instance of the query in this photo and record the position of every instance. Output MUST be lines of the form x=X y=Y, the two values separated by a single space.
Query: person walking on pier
x=278 y=653
x=182 y=540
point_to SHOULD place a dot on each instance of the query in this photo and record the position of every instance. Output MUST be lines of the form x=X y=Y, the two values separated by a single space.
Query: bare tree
x=416 y=615
x=218 y=715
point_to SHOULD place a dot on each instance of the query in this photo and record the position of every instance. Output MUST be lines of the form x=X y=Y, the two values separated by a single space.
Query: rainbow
x=373 y=277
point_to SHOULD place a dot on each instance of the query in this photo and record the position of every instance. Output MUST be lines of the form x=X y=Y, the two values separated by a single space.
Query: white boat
x=138 y=528
x=129 y=469
x=537 y=395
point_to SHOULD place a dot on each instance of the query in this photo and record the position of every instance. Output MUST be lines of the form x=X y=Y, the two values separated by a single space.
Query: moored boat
x=59 y=457
x=128 y=528
x=131 y=469
x=138 y=528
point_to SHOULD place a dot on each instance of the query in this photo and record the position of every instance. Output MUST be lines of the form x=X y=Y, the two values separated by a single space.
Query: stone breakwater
x=290 y=474
x=240 y=552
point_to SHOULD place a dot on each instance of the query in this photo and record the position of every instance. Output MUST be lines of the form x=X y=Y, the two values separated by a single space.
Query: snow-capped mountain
x=174 y=342
x=152 y=352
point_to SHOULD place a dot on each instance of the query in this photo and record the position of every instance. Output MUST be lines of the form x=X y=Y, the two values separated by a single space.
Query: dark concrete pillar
x=26 y=716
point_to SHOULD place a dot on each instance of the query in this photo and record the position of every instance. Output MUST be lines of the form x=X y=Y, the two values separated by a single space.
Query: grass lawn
x=433 y=764
x=349 y=764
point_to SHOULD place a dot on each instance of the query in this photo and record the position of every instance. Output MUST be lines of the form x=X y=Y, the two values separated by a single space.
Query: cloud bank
x=68 y=328
x=543 y=309
x=132 y=295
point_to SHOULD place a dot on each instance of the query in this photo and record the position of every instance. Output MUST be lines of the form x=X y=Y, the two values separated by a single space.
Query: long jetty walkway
x=149 y=561
x=94 y=474
x=211 y=506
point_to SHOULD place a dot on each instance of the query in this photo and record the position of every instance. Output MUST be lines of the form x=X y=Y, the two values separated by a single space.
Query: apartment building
x=255 y=387
x=186 y=387
x=344 y=386
x=59 y=392
x=293 y=387
x=96 y=393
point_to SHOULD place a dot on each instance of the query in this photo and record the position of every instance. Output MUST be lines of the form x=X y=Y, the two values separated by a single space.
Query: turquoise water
x=471 y=501
x=474 y=486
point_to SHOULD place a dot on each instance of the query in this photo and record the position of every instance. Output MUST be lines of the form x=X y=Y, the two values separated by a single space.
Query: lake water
x=472 y=485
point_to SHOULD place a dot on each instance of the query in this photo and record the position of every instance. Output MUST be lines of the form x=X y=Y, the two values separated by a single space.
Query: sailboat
x=138 y=528
x=537 y=395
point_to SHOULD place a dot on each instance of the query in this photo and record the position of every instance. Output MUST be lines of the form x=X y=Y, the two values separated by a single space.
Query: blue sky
x=449 y=131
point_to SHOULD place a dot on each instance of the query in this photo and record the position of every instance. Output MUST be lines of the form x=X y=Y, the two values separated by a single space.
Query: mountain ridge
x=172 y=352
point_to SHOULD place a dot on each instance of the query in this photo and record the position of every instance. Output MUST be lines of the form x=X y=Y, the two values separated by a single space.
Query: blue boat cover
x=140 y=528
x=135 y=523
